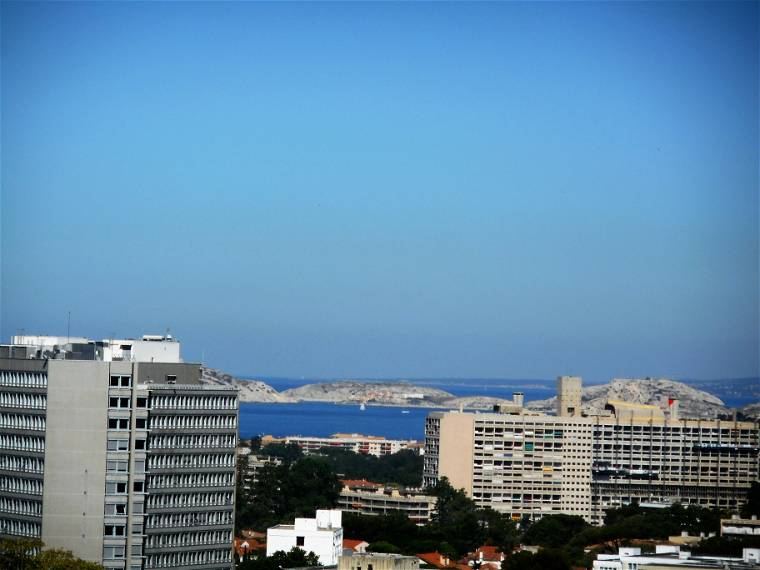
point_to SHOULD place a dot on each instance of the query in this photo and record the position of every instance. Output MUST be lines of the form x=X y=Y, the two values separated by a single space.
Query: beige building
x=529 y=464
x=379 y=500
x=368 y=444
x=378 y=561
x=129 y=464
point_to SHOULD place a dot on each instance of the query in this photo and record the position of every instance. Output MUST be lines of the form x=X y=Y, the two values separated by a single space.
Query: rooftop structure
x=322 y=535
x=149 y=348
x=377 y=561
x=667 y=556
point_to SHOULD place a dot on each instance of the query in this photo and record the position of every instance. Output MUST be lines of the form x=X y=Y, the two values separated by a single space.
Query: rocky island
x=693 y=402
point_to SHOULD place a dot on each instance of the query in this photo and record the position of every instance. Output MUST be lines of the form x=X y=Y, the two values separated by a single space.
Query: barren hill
x=693 y=403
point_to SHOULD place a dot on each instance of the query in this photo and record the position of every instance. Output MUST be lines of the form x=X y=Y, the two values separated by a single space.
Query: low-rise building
x=367 y=498
x=737 y=526
x=351 y=546
x=358 y=443
x=666 y=557
x=378 y=561
x=322 y=535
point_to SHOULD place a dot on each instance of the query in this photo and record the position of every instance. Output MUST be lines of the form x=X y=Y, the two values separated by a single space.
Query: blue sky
x=382 y=190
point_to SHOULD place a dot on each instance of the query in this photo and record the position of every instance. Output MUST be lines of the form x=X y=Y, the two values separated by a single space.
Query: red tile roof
x=436 y=559
x=360 y=483
x=245 y=546
x=352 y=544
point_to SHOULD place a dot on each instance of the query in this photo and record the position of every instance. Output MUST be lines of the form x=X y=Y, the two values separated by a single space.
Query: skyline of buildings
x=116 y=451
x=531 y=464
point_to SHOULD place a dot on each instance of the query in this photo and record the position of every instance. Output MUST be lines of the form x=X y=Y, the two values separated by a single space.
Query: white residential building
x=666 y=555
x=356 y=442
x=322 y=535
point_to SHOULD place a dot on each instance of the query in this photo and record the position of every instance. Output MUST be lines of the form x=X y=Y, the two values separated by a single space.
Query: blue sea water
x=324 y=419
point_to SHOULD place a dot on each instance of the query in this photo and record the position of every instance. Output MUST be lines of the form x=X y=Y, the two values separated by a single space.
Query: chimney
x=518 y=398
x=673 y=405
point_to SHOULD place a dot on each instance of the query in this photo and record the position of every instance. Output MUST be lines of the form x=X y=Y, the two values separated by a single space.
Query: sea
x=323 y=419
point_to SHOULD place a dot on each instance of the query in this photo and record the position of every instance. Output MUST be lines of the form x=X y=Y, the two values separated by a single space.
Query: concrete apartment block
x=127 y=463
x=530 y=464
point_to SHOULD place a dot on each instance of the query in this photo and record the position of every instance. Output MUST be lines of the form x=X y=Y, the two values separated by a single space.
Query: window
x=139 y=444
x=140 y=423
x=137 y=528
x=299 y=541
x=139 y=466
x=116 y=488
x=114 y=402
x=120 y=381
x=113 y=552
x=139 y=486
x=137 y=550
x=118 y=445
x=114 y=530
x=118 y=509
x=116 y=423
x=138 y=508
x=116 y=466
x=142 y=402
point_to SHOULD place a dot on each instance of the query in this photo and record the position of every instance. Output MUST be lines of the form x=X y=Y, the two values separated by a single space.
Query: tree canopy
x=295 y=558
x=25 y=554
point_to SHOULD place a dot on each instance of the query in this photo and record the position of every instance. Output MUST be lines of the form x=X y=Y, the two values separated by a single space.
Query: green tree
x=289 y=452
x=309 y=484
x=752 y=506
x=544 y=559
x=383 y=546
x=25 y=554
x=554 y=531
x=295 y=558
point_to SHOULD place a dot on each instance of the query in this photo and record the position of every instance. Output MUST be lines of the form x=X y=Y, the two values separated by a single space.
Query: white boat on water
x=404 y=411
x=362 y=407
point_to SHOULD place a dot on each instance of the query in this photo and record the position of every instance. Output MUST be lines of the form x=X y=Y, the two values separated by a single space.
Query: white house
x=631 y=558
x=322 y=535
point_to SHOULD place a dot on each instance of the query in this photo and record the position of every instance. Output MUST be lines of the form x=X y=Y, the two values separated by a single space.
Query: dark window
x=299 y=541
x=140 y=423
x=142 y=402
x=171 y=378
x=139 y=486
x=139 y=443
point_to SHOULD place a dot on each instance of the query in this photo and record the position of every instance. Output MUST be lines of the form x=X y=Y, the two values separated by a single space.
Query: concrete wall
x=74 y=483
x=376 y=561
x=456 y=450
x=156 y=373
x=326 y=544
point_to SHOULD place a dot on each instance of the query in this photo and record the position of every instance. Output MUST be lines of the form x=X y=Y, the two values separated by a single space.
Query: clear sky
x=388 y=190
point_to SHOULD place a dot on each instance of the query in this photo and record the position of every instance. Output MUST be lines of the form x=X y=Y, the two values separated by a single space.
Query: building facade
x=358 y=443
x=529 y=464
x=129 y=464
x=322 y=535
x=365 y=498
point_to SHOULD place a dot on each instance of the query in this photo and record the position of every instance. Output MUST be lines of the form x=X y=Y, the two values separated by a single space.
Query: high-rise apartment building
x=529 y=464
x=115 y=450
